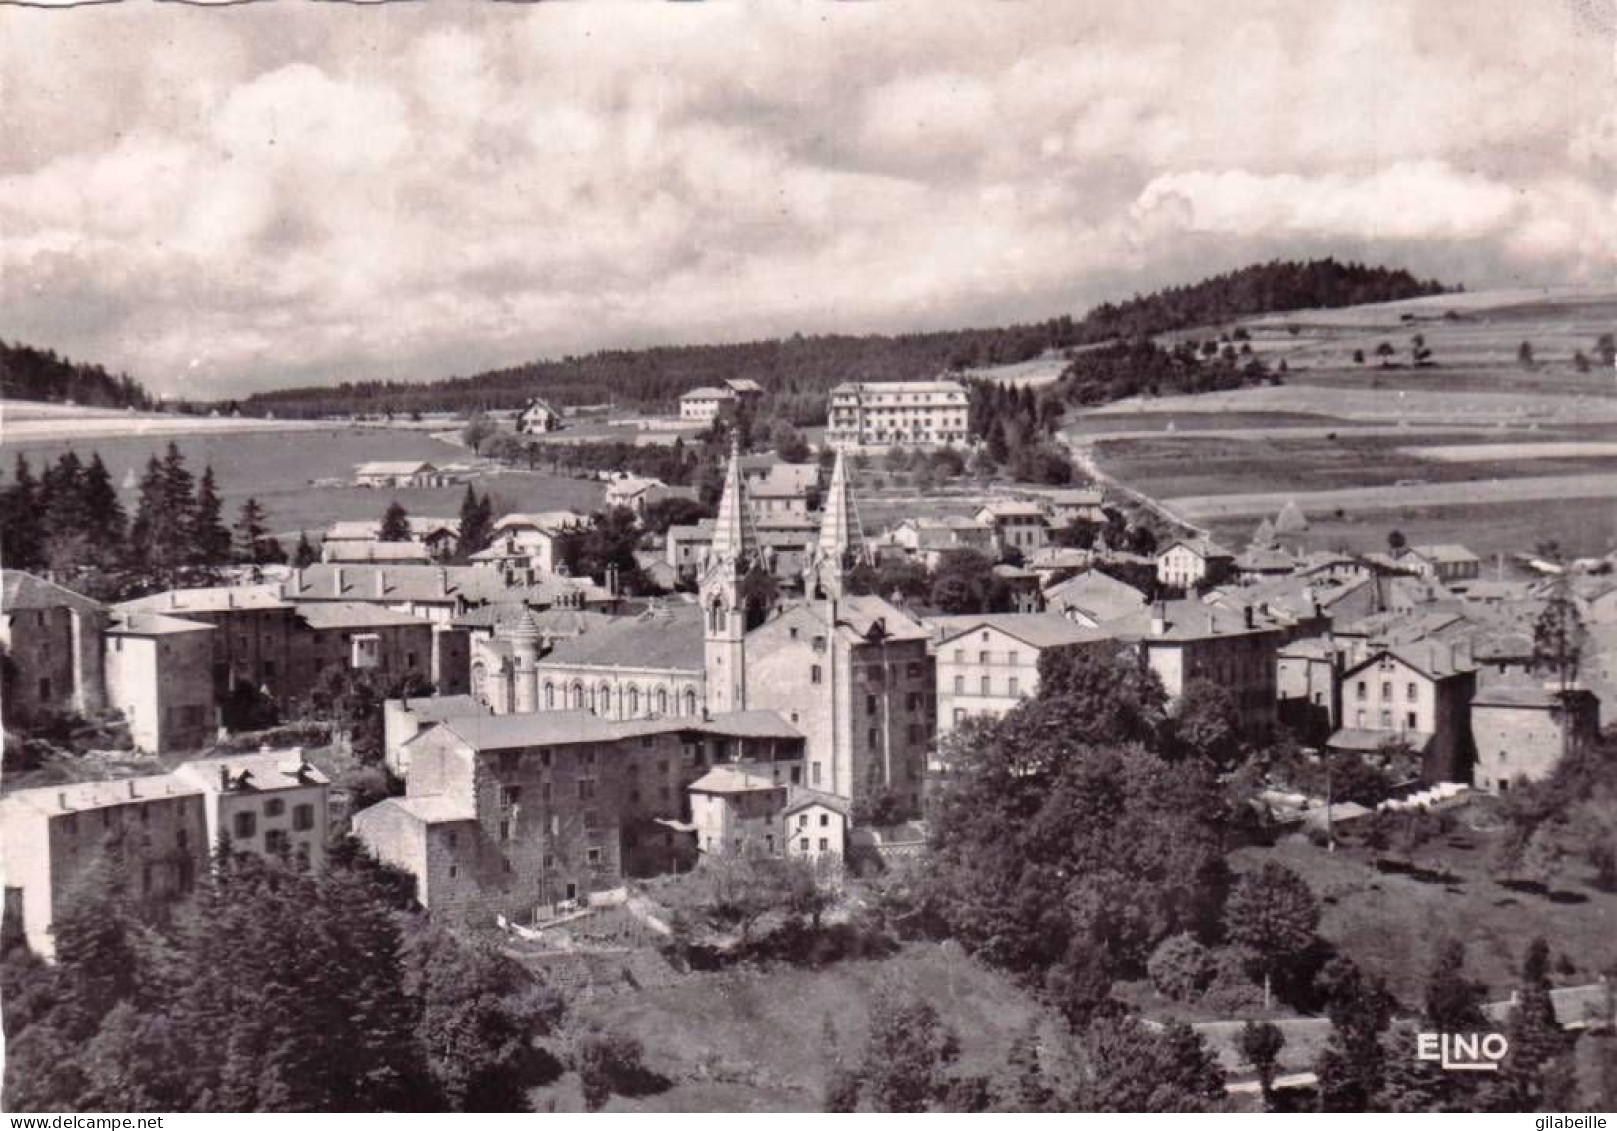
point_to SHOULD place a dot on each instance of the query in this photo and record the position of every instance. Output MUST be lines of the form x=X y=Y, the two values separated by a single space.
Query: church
x=851 y=673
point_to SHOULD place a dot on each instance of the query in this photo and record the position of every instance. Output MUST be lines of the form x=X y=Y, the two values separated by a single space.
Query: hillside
x=40 y=375
x=799 y=371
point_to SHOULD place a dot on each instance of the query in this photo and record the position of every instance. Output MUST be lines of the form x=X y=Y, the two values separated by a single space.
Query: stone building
x=272 y=803
x=1521 y=730
x=513 y=815
x=159 y=672
x=1187 y=563
x=706 y=404
x=155 y=829
x=51 y=640
x=1416 y=695
x=1017 y=525
x=988 y=664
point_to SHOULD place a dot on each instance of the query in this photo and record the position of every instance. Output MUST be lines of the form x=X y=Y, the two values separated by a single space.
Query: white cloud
x=312 y=192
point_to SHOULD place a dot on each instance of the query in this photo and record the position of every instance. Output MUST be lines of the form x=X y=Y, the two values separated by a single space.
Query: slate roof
x=265 y=771
x=25 y=591
x=670 y=638
x=430 y=810
x=728 y=779
x=1037 y=630
x=438 y=708
x=154 y=624
x=393 y=467
x=323 y=615
x=88 y=795
x=217 y=599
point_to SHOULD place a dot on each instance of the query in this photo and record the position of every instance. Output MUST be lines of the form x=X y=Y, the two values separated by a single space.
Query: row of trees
x=267 y=989
x=30 y=374
x=70 y=518
x=798 y=372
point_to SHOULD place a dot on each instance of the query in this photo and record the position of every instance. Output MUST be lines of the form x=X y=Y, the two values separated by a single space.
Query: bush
x=607 y=1061
x=1231 y=989
x=1180 y=968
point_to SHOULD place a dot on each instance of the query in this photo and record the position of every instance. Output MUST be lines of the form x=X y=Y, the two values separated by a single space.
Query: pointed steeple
x=842 y=538
x=735 y=536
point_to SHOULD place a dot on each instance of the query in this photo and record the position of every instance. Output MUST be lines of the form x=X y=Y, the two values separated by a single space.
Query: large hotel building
x=880 y=413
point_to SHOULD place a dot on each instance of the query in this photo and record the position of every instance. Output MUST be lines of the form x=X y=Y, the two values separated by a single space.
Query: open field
x=748 y=1039
x=32 y=421
x=1039 y=371
x=1388 y=919
x=1583 y=527
x=1351 y=396
x=1548 y=449
x=277 y=467
x=1601 y=486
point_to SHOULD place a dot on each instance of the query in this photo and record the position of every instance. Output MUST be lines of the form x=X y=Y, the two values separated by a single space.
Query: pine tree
x=303 y=554
x=476 y=523
x=21 y=529
x=1537 y=1072
x=210 y=540
x=395 y=524
x=102 y=505
x=1260 y=1043
x=250 y=532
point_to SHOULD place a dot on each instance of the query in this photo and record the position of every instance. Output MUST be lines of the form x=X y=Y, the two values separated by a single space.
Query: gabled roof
x=743 y=385
x=326 y=615
x=154 y=624
x=25 y=591
x=435 y=809
x=707 y=393
x=216 y=599
x=1445 y=553
x=71 y=797
x=668 y=639
x=1037 y=630
x=1429 y=658
x=800 y=797
x=1100 y=595
x=1188 y=620
x=728 y=779
x=437 y=708
x=354 y=551
x=1202 y=547
x=260 y=772
x=393 y=467
x=548 y=522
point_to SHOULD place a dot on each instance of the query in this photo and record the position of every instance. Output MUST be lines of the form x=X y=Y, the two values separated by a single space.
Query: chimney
x=230 y=599
x=173 y=598
x=1249 y=624
x=381 y=583
x=224 y=778
x=61 y=799
x=297 y=581
x=336 y=581
x=1159 y=619
x=132 y=792
x=443 y=582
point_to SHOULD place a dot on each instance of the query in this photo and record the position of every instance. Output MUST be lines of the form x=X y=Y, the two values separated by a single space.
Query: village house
x=988 y=664
x=1093 y=598
x=1186 y=641
x=511 y=816
x=686 y=546
x=51 y=836
x=439 y=594
x=1076 y=504
x=1017 y=525
x=1411 y=695
x=159 y=672
x=431 y=539
x=533 y=539
x=272 y=804
x=51 y=640
x=638 y=494
x=926 y=540
x=1186 y=563
x=1522 y=729
x=403 y=719
x=734 y=812
x=1444 y=562
x=376 y=553
x=815 y=826
x=706 y=404
x=886 y=413
x=399 y=473
x=786 y=489
x=747 y=392
x=537 y=417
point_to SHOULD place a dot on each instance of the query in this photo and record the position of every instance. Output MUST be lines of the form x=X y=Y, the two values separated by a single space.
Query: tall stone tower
x=524 y=637
x=841 y=543
x=734 y=553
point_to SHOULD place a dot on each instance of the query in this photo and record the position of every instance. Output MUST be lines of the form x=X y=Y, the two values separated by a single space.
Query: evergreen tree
x=304 y=554
x=21 y=520
x=210 y=540
x=102 y=507
x=1351 y=1066
x=1537 y=1073
x=476 y=523
x=1453 y=1003
x=250 y=533
x=395 y=524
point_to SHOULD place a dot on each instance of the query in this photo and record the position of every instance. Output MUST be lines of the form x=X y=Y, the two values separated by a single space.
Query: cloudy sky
x=235 y=198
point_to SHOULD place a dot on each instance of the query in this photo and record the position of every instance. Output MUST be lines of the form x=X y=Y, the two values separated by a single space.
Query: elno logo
x=1463 y=1052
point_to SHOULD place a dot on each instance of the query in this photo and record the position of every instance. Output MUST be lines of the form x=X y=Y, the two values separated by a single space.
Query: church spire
x=735 y=536
x=842 y=539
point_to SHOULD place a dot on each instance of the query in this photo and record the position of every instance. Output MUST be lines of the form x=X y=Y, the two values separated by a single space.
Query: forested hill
x=797 y=372
x=29 y=374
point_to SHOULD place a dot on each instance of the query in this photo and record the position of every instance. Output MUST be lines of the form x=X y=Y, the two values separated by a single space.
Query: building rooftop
x=437 y=708
x=25 y=591
x=1100 y=595
x=707 y=393
x=216 y=599
x=728 y=779
x=427 y=583
x=154 y=624
x=550 y=522
x=1187 y=620
x=1201 y=547
x=1446 y=553
x=878 y=387
x=323 y=615
x=1536 y=696
x=360 y=551
x=801 y=797
x=1038 y=630
x=260 y=772
x=72 y=797
x=669 y=638
x=393 y=467
x=432 y=809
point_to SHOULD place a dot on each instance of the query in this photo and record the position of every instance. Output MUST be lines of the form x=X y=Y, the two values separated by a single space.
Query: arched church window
x=634 y=701
x=662 y=700
x=550 y=696
x=690 y=702
x=480 y=683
